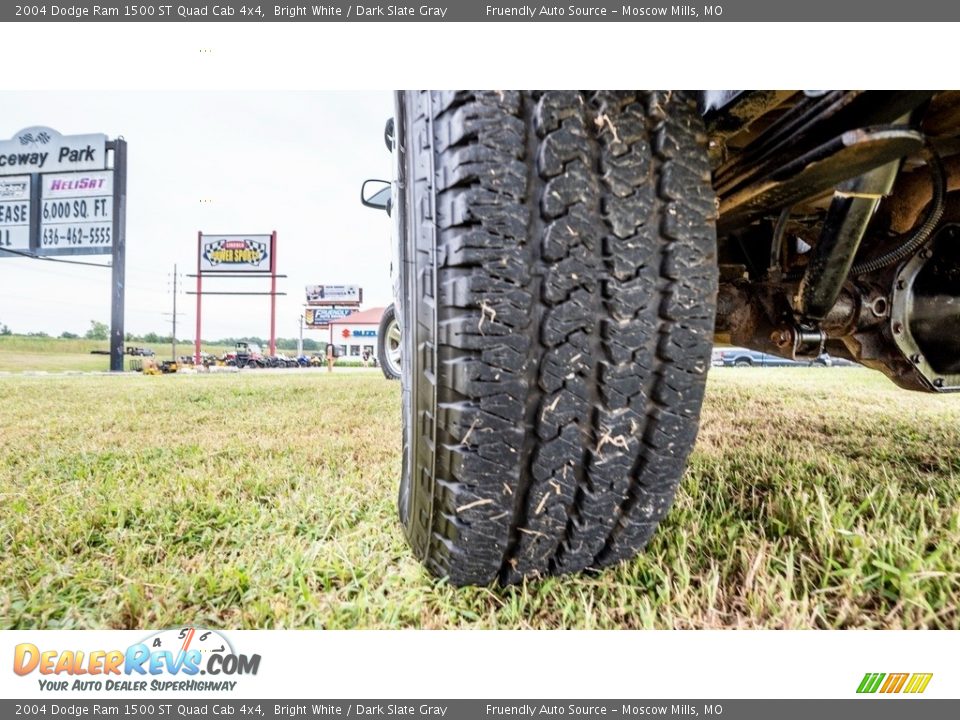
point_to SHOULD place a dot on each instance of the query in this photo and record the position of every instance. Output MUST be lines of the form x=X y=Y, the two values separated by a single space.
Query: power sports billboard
x=334 y=294
x=57 y=194
x=236 y=253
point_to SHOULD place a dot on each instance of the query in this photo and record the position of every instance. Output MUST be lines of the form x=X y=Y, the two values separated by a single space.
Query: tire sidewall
x=403 y=305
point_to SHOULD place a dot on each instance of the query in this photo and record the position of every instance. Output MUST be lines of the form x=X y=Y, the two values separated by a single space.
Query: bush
x=98 y=331
x=351 y=362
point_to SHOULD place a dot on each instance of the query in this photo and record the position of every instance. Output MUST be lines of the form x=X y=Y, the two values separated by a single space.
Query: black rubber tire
x=742 y=362
x=386 y=366
x=558 y=291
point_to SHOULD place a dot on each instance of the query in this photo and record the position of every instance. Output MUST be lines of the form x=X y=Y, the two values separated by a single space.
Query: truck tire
x=558 y=291
x=388 y=344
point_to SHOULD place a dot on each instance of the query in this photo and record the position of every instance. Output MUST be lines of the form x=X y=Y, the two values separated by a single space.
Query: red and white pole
x=196 y=352
x=273 y=293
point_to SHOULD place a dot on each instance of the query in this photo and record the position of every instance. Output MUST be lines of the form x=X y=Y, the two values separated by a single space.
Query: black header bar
x=480 y=11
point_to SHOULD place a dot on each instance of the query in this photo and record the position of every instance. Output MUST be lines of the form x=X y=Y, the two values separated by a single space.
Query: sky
x=221 y=163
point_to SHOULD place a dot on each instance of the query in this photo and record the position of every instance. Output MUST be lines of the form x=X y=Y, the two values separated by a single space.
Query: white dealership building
x=356 y=333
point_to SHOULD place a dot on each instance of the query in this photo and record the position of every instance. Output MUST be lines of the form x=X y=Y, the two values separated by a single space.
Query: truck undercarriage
x=838 y=227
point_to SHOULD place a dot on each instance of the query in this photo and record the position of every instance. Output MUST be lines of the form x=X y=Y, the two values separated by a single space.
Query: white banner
x=518 y=664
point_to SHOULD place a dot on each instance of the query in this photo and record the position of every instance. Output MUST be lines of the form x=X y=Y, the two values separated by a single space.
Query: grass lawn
x=814 y=498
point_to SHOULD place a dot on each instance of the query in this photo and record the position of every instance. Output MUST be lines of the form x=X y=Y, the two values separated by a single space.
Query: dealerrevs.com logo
x=169 y=660
x=894 y=683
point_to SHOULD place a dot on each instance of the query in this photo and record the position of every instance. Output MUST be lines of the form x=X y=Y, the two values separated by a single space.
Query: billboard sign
x=321 y=317
x=76 y=211
x=334 y=294
x=60 y=196
x=57 y=194
x=236 y=253
x=15 y=212
x=43 y=150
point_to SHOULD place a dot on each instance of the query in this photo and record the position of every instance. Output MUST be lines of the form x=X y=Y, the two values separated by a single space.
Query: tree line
x=101 y=331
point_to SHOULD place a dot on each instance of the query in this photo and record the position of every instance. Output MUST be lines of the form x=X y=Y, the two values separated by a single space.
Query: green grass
x=814 y=498
x=20 y=353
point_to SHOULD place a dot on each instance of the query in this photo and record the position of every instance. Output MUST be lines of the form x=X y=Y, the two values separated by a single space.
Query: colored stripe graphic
x=894 y=683
x=918 y=682
x=870 y=682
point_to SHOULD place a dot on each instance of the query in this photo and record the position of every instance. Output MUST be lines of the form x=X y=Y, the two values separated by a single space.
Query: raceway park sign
x=43 y=149
x=236 y=253
x=57 y=194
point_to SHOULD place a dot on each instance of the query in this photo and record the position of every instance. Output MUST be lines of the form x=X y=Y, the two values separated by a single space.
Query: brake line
x=923 y=233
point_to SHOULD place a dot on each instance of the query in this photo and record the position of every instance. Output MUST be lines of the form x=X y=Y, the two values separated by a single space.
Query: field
x=20 y=353
x=814 y=499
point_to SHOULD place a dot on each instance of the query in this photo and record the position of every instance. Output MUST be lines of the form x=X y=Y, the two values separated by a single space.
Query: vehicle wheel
x=558 y=291
x=388 y=344
x=252 y=364
x=742 y=362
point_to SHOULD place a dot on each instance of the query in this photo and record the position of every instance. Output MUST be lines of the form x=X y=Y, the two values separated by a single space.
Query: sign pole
x=300 y=342
x=273 y=293
x=196 y=351
x=118 y=272
x=173 y=339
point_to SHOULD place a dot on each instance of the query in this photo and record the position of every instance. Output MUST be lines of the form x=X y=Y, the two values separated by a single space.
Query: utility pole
x=173 y=315
x=173 y=339
x=300 y=343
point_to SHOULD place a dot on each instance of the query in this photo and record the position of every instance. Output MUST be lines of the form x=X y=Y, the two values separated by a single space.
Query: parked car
x=742 y=357
x=140 y=351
